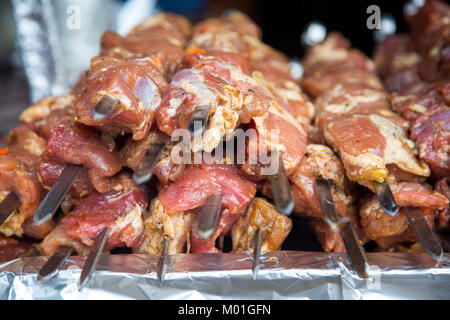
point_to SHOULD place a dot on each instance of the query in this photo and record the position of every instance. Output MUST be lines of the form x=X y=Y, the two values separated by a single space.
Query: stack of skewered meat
x=116 y=129
x=415 y=69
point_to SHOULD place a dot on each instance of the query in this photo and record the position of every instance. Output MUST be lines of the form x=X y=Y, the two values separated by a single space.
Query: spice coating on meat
x=378 y=225
x=119 y=210
x=261 y=215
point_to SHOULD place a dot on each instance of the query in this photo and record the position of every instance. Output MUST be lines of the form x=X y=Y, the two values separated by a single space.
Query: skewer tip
x=385 y=197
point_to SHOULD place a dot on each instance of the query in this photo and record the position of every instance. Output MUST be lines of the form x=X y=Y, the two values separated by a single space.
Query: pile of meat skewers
x=341 y=123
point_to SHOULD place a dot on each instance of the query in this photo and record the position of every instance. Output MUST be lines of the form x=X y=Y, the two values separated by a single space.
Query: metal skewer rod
x=257 y=253
x=427 y=238
x=355 y=251
x=385 y=197
x=163 y=260
x=327 y=205
x=105 y=107
x=93 y=257
x=144 y=171
x=54 y=264
x=209 y=217
x=281 y=189
x=8 y=206
x=199 y=120
x=55 y=196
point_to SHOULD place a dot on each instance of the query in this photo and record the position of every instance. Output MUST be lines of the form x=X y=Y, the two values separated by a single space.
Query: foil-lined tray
x=283 y=275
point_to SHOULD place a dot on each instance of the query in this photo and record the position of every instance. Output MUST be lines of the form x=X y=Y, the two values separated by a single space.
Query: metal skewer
x=54 y=264
x=257 y=253
x=54 y=197
x=105 y=107
x=144 y=171
x=282 y=190
x=92 y=259
x=199 y=120
x=8 y=206
x=326 y=202
x=385 y=197
x=163 y=260
x=355 y=250
x=352 y=244
x=427 y=238
x=209 y=216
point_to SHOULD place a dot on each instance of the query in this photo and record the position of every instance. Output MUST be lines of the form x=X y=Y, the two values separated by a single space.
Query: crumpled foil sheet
x=57 y=39
x=283 y=275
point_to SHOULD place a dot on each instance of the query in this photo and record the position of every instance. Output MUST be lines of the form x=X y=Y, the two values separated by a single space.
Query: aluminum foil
x=57 y=39
x=283 y=275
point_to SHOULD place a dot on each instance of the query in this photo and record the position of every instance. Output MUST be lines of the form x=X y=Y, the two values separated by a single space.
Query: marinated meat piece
x=49 y=171
x=18 y=174
x=44 y=107
x=431 y=133
x=332 y=241
x=226 y=221
x=43 y=127
x=430 y=34
x=159 y=225
x=324 y=80
x=166 y=169
x=367 y=143
x=378 y=225
x=332 y=62
x=260 y=215
x=394 y=54
x=261 y=60
x=37 y=231
x=351 y=99
x=196 y=184
x=319 y=162
x=12 y=248
x=443 y=217
x=414 y=101
x=189 y=192
x=58 y=238
x=64 y=146
x=397 y=63
x=137 y=84
x=278 y=131
x=235 y=21
x=120 y=210
x=162 y=36
x=290 y=98
x=233 y=96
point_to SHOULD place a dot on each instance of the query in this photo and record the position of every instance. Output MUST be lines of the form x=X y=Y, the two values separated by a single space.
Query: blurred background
x=46 y=44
